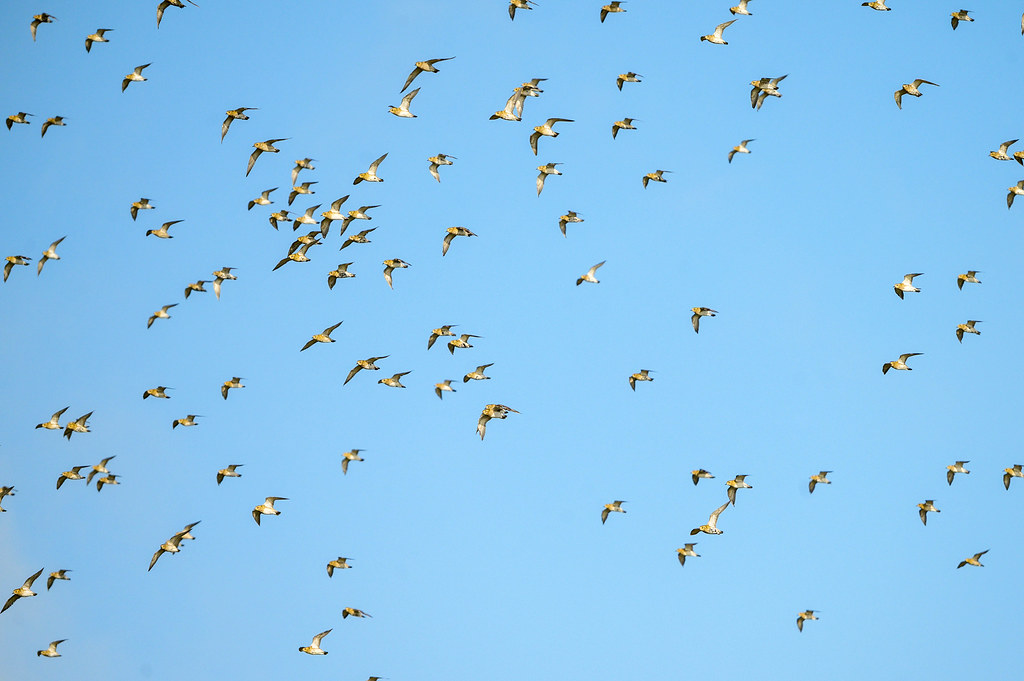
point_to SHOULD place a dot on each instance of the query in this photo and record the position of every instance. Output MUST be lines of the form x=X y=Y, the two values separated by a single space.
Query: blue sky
x=489 y=558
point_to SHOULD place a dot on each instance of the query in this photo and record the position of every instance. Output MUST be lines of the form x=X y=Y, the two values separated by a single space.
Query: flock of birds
x=322 y=226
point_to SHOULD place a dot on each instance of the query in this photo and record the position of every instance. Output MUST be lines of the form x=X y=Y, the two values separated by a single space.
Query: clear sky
x=488 y=560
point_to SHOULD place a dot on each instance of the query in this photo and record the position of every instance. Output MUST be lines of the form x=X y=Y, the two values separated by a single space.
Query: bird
x=339 y=563
x=300 y=189
x=611 y=8
x=656 y=176
x=54 y=576
x=735 y=484
x=764 y=88
x=314 y=648
x=550 y=169
x=52 y=650
x=428 y=65
x=958 y=16
x=107 y=480
x=508 y=113
x=371 y=174
x=162 y=233
x=160 y=314
x=878 y=5
x=96 y=37
x=545 y=131
x=492 y=411
x=820 y=477
x=334 y=213
x=924 y=508
x=614 y=507
x=900 y=363
x=13 y=260
x=235 y=382
x=402 y=110
x=77 y=426
x=445 y=330
x=390 y=266
x=53 y=120
x=54 y=422
x=49 y=254
x=220 y=276
x=805 y=615
x=169 y=546
x=358 y=214
x=394 y=381
x=961 y=329
x=263 y=199
x=196 y=287
x=460 y=342
x=910 y=89
x=436 y=162
x=368 y=364
x=1010 y=473
x=228 y=472
x=740 y=148
x=267 y=508
x=134 y=77
x=141 y=204
x=518 y=4
x=696 y=475
x=23 y=591
x=189 y=420
x=351 y=455
x=354 y=612
x=699 y=312
x=1001 y=155
x=640 y=376
x=340 y=273
x=716 y=37
x=232 y=116
x=100 y=468
x=300 y=254
x=957 y=467
x=157 y=392
x=687 y=550
x=907 y=285
x=453 y=232
x=589 y=276
x=477 y=374
x=324 y=337
x=43 y=18
x=740 y=8
x=443 y=387
x=268 y=146
x=306 y=219
x=624 y=124
x=72 y=474
x=968 y=278
x=1014 y=191
x=629 y=77
x=973 y=560
x=169 y=3
x=279 y=216
x=21 y=117
x=300 y=165
x=570 y=216
x=5 y=491
x=712 y=525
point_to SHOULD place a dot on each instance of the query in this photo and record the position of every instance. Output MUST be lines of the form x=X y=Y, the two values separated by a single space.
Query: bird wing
x=319 y=637
x=721 y=28
x=415 y=72
x=373 y=166
x=713 y=519
x=252 y=160
x=533 y=142
x=407 y=100
x=352 y=373
x=444 y=250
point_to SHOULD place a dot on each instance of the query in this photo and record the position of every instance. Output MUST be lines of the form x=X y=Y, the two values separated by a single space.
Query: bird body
x=58 y=575
x=687 y=550
x=545 y=131
x=314 y=648
x=134 y=77
x=550 y=169
x=460 y=342
x=590 y=275
x=394 y=381
x=443 y=387
x=351 y=455
x=390 y=266
x=639 y=376
x=900 y=363
x=436 y=162
x=303 y=188
x=957 y=467
x=624 y=124
x=189 y=420
x=160 y=314
x=163 y=233
x=611 y=8
x=961 y=329
x=141 y=204
x=910 y=89
x=716 y=37
x=402 y=110
x=735 y=484
x=629 y=77
x=368 y=364
x=564 y=220
x=656 y=176
x=740 y=148
x=228 y=472
x=300 y=165
x=77 y=426
x=958 y=16
x=698 y=474
x=99 y=469
x=20 y=118
x=967 y=278
x=53 y=120
x=491 y=411
x=445 y=330
x=158 y=392
x=1014 y=191
x=339 y=563
x=453 y=232
x=927 y=507
x=428 y=65
x=712 y=525
x=614 y=507
x=477 y=374
x=340 y=273
x=267 y=508
x=37 y=19
x=819 y=478
x=72 y=474
x=371 y=173
x=23 y=591
x=324 y=337
x=1001 y=154
x=259 y=148
x=232 y=116
x=1010 y=473
x=234 y=383
x=54 y=422
x=803 y=617
x=974 y=560
x=699 y=312
x=169 y=3
x=96 y=37
x=52 y=650
x=907 y=285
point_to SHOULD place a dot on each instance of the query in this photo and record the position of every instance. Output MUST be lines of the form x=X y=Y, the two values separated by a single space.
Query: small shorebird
x=445 y=330
x=422 y=66
x=351 y=455
x=1001 y=155
x=698 y=474
x=958 y=16
x=314 y=648
x=110 y=479
x=492 y=411
x=923 y=510
x=907 y=285
x=656 y=176
x=339 y=563
x=77 y=426
x=740 y=148
x=300 y=189
x=589 y=276
x=340 y=273
x=740 y=9
x=263 y=199
x=169 y=3
x=716 y=37
x=334 y=213
x=134 y=77
x=687 y=550
x=279 y=216
x=52 y=650
x=54 y=422
x=354 y=612
x=299 y=255
x=1014 y=191
x=235 y=382
x=162 y=233
x=712 y=524
x=640 y=376
x=961 y=329
x=957 y=467
x=260 y=147
x=968 y=278
x=232 y=116
x=99 y=469
x=973 y=560
x=368 y=364
x=23 y=591
x=402 y=110
x=509 y=112
x=20 y=117
x=96 y=37
x=13 y=260
x=820 y=477
x=624 y=124
x=220 y=276
x=72 y=474
x=358 y=214
x=453 y=232
x=878 y=5
x=910 y=89
x=371 y=174
x=189 y=420
x=550 y=169
x=545 y=131
x=160 y=314
x=518 y=4
x=267 y=508
x=390 y=266
x=43 y=18
x=158 y=392
x=477 y=374
x=1010 y=473
x=228 y=472
x=629 y=77
x=49 y=254
x=394 y=381
x=699 y=312
x=436 y=162
x=300 y=165
x=58 y=575
x=735 y=484
x=141 y=204
x=900 y=363
x=805 y=615
x=611 y=8
x=324 y=337
x=460 y=342
x=170 y=546
x=443 y=387
x=614 y=507
x=571 y=216
x=53 y=120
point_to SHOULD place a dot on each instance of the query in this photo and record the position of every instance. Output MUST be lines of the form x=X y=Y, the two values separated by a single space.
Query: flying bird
x=699 y=312
x=878 y=5
x=624 y=124
x=958 y=16
x=371 y=174
x=49 y=254
x=687 y=550
x=228 y=472
x=324 y=337
x=492 y=411
x=235 y=383
x=54 y=422
x=716 y=37
x=564 y=220
x=106 y=480
x=169 y=546
x=340 y=273
x=589 y=276
x=96 y=37
x=907 y=285
x=339 y=563
x=220 y=276
x=1001 y=154
x=968 y=278
x=300 y=165
x=957 y=467
x=925 y=508
x=910 y=89
x=301 y=189
x=819 y=478
x=698 y=474
x=460 y=342
x=1014 y=191
x=436 y=162
x=900 y=363
x=453 y=232
x=235 y=115
x=443 y=387
x=517 y=4
x=961 y=329
x=162 y=233
x=445 y=330
x=189 y=420
x=368 y=364
x=77 y=426
x=354 y=612
x=614 y=507
x=428 y=66
x=13 y=260
x=545 y=131
x=21 y=118
x=72 y=474
x=478 y=374
x=351 y=455
x=169 y=3
x=735 y=484
x=134 y=77
x=52 y=650
x=656 y=176
x=53 y=120
x=740 y=9
x=611 y=9
x=740 y=148
x=402 y=110
x=1009 y=473
x=23 y=591
x=390 y=266
x=973 y=560
x=160 y=314
x=712 y=525
x=267 y=146
x=141 y=204
x=394 y=381
x=640 y=376
x=314 y=648
x=802 y=617
x=43 y=18
x=263 y=199
x=58 y=575
x=99 y=469
x=550 y=169
x=629 y=77
x=267 y=508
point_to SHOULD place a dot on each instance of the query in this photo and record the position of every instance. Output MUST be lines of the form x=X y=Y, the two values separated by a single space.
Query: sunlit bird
x=134 y=77
x=72 y=474
x=20 y=118
x=189 y=420
x=460 y=342
x=300 y=189
x=436 y=162
x=163 y=233
x=629 y=77
x=334 y=213
x=299 y=255
x=952 y=470
x=260 y=147
x=545 y=131
x=340 y=273
x=369 y=364
x=492 y=411
x=232 y=116
x=803 y=617
x=53 y=120
x=390 y=266
x=234 y=383
x=443 y=387
x=220 y=276
x=171 y=545
x=968 y=278
x=351 y=455
x=354 y=612
x=371 y=173
x=548 y=169
x=716 y=37
x=339 y=563
x=564 y=220
x=402 y=110
x=110 y=479
x=961 y=329
x=1014 y=191
x=1011 y=473
x=712 y=525
x=910 y=89
x=23 y=591
x=52 y=650
x=422 y=66
x=900 y=363
x=13 y=260
x=958 y=16
x=509 y=113
x=141 y=204
x=699 y=312
x=445 y=330
x=741 y=8
x=96 y=37
x=611 y=9
x=169 y=3
x=300 y=165
x=43 y=18
x=737 y=483
x=358 y=214
x=740 y=148
x=158 y=392
x=263 y=199
x=394 y=381
x=55 y=576
x=324 y=337
x=819 y=478
x=698 y=474
x=267 y=508
x=453 y=232
x=878 y=5
x=314 y=648
x=589 y=276
x=764 y=88
x=907 y=285
x=160 y=314
x=687 y=550
x=478 y=374
x=974 y=560
x=927 y=507
x=1001 y=154
x=639 y=376
x=656 y=176
x=229 y=472
x=99 y=469
x=279 y=216
x=54 y=422
x=77 y=426
x=614 y=507
x=518 y=4
x=49 y=254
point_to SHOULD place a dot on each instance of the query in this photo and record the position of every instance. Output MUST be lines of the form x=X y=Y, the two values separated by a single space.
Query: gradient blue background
x=488 y=560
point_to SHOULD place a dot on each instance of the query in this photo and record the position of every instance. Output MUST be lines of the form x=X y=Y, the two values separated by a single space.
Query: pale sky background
x=488 y=559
